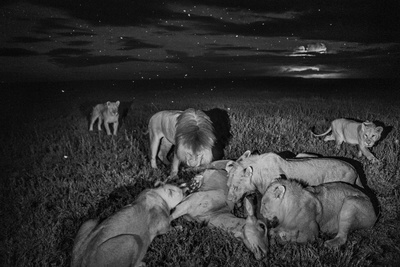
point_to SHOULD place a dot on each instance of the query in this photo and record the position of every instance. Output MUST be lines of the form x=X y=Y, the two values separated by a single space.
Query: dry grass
x=57 y=174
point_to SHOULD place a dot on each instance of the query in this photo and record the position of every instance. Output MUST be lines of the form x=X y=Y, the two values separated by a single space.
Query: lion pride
x=256 y=172
x=191 y=131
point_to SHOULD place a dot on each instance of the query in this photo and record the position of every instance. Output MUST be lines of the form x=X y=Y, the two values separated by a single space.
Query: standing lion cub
x=363 y=134
x=108 y=113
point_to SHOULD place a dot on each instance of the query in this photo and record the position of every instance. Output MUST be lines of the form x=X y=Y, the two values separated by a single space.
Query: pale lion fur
x=123 y=238
x=364 y=134
x=209 y=204
x=301 y=211
x=256 y=172
x=107 y=113
x=191 y=131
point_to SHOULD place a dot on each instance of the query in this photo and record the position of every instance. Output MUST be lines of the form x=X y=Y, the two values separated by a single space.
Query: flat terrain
x=57 y=174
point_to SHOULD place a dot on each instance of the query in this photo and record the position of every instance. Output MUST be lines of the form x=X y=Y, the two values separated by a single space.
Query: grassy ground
x=56 y=174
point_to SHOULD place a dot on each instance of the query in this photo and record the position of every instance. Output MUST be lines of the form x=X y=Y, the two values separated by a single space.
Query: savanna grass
x=57 y=174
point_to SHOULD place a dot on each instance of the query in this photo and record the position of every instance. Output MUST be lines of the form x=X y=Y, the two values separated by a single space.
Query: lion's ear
x=229 y=165
x=363 y=125
x=244 y=156
x=279 y=191
x=108 y=103
x=248 y=172
x=117 y=103
x=379 y=129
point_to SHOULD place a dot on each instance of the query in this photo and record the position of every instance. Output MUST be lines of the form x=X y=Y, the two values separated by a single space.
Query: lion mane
x=298 y=212
x=192 y=133
x=194 y=130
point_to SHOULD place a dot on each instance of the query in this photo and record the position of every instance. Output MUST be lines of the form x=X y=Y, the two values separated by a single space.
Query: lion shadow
x=87 y=106
x=222 y=130
x=386 y=131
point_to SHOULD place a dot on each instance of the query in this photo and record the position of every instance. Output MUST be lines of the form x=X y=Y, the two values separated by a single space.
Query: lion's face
x=172 y=194
x=194 y=158
x=239 y=180
x=370 y=133
x=113 y=108
x=272 y=203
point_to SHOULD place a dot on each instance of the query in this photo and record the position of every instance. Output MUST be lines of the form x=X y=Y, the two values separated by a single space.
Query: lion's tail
x=318 y=135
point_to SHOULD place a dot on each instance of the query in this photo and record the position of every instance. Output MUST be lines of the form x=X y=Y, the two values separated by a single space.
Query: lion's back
x=163 y=123
x=321 y=170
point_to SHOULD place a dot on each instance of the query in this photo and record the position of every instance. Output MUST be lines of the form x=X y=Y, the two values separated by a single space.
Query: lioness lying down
x=256 y=172
x=301 y=211
x=209 y=204
x=123 y=238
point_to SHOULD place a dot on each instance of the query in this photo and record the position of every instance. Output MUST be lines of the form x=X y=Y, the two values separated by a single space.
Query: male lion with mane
x=191 y=131
x=301 y=211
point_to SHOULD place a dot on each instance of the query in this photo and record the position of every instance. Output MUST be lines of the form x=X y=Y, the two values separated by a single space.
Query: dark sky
x=148 y=39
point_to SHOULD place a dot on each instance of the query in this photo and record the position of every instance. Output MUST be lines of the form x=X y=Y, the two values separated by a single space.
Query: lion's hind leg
x=81 y=240
x=356 y=213
x=122 y=250
x=93 y=118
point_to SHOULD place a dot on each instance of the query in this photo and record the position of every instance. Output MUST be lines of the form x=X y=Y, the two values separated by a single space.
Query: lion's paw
x=335 y=242
x=375 y=161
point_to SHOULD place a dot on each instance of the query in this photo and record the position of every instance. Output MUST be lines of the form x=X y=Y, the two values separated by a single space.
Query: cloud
x=130 y=43
x=68 y=51
x=27 y=40
x=87 y=60
x=316 y=71
x=17 y=52
x=78 y=43
x=311 y=49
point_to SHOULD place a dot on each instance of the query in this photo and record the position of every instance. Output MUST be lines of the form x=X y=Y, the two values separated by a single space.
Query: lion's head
x=370 y=133
x=274 y=203
x=172 y=194
x=194 y=138
x=112 y=108
x=286 y=202
x=240 y=173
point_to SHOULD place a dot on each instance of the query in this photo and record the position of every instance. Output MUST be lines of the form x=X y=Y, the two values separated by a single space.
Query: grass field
x=56 y=174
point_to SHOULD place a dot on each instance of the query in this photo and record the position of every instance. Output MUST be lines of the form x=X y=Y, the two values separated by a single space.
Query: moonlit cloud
x=299 y=69
x=148 y=39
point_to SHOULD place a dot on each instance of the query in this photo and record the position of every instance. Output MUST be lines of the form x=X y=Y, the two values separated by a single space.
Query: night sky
x=51 y=40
